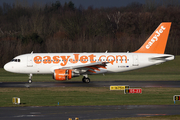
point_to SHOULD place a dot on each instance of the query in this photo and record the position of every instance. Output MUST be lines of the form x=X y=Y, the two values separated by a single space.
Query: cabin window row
x=86 y=60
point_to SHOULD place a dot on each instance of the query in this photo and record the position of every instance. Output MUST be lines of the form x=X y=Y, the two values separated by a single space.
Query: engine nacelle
x=64 y=74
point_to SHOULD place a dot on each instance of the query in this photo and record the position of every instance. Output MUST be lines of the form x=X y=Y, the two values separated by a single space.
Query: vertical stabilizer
x=156 y=43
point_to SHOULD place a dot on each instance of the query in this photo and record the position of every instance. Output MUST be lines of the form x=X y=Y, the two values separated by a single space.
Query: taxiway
x=86 y=112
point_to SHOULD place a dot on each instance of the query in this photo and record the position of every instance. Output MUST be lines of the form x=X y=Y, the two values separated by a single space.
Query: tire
x=87 y=80
x=29 y=81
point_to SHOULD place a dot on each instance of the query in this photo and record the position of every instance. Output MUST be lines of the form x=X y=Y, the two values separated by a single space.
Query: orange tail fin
x=156 y=43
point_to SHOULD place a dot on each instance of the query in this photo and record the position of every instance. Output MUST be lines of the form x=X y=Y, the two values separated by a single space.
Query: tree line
x=65 y=28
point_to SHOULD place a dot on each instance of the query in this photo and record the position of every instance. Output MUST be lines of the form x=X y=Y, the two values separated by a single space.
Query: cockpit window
x=15 y=60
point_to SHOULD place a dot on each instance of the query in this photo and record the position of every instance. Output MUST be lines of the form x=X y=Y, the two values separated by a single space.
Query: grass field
x=79 y=96
x=167 y=71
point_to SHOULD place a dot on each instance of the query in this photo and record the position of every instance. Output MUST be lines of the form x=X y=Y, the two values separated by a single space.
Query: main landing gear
x=85 y=79
x=30 y=78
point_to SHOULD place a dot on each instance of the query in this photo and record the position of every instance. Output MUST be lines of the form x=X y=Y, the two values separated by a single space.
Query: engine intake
x=64 y=74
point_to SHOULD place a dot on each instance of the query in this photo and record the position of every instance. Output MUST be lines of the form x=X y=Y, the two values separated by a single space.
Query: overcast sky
x=84 y=3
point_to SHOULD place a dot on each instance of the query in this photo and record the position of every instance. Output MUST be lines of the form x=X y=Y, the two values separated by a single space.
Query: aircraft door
x=30 y=61
x=135 y=60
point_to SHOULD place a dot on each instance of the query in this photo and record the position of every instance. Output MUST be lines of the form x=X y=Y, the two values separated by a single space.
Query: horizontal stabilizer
x=162 y=58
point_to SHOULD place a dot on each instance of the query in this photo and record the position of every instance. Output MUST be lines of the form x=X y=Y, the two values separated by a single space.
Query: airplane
x=65 y=66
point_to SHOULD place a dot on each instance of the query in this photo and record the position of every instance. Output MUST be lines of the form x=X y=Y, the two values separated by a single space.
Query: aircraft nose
x=7 y=67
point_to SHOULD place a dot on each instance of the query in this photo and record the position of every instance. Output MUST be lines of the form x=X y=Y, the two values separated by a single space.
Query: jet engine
x=64 y=74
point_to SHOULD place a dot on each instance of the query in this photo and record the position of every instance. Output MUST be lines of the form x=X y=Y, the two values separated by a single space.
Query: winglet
x=156 y=43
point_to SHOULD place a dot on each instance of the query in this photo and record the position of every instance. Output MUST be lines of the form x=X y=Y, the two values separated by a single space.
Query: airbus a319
x=65 y=66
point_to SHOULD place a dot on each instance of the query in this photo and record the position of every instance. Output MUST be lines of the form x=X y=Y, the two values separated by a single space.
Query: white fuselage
x=46 y=63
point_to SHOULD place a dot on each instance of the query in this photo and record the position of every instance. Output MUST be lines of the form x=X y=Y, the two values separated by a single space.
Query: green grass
x=166 y=71
x=79 y=96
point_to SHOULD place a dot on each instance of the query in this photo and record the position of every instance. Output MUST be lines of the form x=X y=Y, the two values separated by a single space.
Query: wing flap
x=87 y=65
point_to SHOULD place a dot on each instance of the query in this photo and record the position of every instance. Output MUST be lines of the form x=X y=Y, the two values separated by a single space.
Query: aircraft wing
x=88 y=68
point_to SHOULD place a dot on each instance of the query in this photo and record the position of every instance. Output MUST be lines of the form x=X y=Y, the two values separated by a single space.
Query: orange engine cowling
x=63 y=74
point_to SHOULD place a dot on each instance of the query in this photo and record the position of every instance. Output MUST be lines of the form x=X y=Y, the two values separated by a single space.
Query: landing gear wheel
x=29 y=81
x=86 y=80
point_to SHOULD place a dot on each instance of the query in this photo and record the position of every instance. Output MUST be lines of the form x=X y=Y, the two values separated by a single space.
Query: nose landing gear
x=30 y=78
